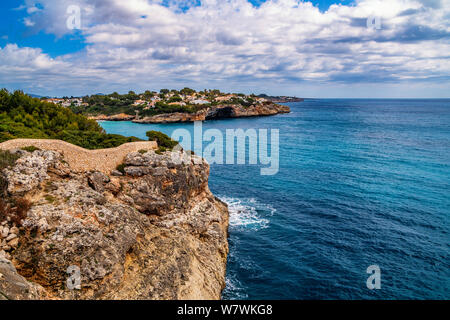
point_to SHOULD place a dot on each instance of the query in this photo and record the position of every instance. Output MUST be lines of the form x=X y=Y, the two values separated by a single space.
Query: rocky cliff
x=218 y=112
x=152 y=232
x=116 y=117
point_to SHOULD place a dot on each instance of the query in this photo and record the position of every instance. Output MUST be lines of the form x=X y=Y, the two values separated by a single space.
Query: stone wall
x=80 y=159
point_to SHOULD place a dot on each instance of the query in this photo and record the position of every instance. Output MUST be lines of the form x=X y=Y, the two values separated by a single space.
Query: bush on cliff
x=13 y=208
x=22 y=116
x=30 y=149
x=108 y=104
x=164 y=141
x=7 y=159
x=94 y=140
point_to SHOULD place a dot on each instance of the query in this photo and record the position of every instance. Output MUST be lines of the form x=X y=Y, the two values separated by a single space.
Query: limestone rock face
x=259 y=110
x=15 y=287
x=30 y=171
x=116 y=117
x=156 y=232
x=218 y=112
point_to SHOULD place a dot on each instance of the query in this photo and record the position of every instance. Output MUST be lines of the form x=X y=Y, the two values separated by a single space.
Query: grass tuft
x=163 y=140
x=121 y=168
x=30 y=148
x=7 y=159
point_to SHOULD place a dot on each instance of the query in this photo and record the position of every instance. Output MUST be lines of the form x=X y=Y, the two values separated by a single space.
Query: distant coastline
x=210 y=113
x=172 y=106
x=281 y=99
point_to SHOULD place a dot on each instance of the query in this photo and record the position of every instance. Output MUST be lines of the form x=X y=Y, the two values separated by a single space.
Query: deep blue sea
x=361 y=183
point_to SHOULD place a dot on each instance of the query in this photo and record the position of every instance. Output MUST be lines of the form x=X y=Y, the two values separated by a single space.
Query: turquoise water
x=361 y=182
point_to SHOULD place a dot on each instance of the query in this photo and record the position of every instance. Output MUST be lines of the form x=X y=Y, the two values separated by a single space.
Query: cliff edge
x=218 y=112
x=154 y=231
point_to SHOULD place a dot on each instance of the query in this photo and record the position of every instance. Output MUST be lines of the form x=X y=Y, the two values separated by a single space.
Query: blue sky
x=321 y=48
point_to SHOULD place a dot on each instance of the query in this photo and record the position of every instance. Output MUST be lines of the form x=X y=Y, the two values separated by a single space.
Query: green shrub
x=175 y=99
x=121 y=168
x=160 y=150
x=5 y=136
x=7 y=159
x=161 y=108
x=50 y=198
x=163 y=140
x=30 y=148
x=94 y=140
x=24 y=117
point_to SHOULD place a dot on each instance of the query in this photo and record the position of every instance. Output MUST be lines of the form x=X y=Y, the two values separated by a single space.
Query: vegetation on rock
x=30 y=148
x=121 y=168
x=162 y=108
x=165 y=143
x=108 y=104
x=13 y=208
x=151 y=103
x=22 y=116
x=7 y=159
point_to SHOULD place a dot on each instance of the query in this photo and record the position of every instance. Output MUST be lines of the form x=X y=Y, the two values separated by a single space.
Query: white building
x=200 y=101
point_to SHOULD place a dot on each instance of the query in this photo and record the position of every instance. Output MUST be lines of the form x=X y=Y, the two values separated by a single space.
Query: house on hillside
x=139 y=102
x=225 y=98
x=200 y=101
x=54 y=100
x=177 y=104
x=189 y=97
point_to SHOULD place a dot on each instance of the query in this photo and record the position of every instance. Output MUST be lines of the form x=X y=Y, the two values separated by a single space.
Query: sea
x=361 y=197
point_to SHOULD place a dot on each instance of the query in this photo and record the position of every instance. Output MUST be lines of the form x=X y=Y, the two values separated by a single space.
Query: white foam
x=234 y=290
x=248 y=213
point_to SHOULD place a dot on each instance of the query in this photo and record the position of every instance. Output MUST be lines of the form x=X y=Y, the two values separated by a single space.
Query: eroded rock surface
x=218 y=112
x=15 y=287
x=155 y=232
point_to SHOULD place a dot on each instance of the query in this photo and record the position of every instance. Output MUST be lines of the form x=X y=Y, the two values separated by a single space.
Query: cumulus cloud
x=221 y=41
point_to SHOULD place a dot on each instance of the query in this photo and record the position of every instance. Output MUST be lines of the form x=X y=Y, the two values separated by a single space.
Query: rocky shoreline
x=116 y=117
x=152 y=231
x=210 y=113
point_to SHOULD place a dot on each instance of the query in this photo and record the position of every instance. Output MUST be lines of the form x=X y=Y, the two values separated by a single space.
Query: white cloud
x=31 y=10
x=28 y=22
x=220 y=42
x=13 y=58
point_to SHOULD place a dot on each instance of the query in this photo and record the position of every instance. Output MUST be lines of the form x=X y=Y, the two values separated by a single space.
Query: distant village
x=149 y=100
x=67 y=102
